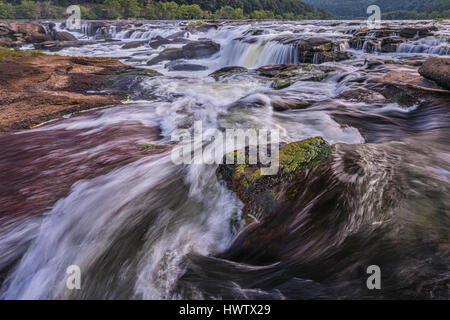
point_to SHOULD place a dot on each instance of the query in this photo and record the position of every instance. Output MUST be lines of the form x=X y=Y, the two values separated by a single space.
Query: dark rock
x=171 y=66
x=202 y=49
x=168 y=54
x=362 y=95
x=438 y=70
x=286 y=74
x=58 y=45
x=203 y=27
x=63 y=36
x=415 y=32
x=227 y=71
x=193 y=50
x=133 y=44
x=260 y=194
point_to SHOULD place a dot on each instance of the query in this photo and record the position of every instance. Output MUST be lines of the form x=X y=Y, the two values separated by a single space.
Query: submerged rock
x=362 y=95
x=282 y=104
x=227 y=71
x=134 y=44
x=160 y=41
x=438 y=70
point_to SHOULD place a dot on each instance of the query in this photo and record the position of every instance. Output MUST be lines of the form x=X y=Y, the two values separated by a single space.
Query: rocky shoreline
x=35 y=88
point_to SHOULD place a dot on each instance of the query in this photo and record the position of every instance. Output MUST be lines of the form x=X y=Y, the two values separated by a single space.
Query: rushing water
x=149 y=229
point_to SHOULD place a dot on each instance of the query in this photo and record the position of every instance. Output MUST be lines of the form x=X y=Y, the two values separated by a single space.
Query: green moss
x=298 y=155
x=293 y=194
x=293 y=158
x=326 y=46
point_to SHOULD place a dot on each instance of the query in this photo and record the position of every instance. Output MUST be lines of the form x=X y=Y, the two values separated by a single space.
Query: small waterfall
x=260 y=53
x=427 y=46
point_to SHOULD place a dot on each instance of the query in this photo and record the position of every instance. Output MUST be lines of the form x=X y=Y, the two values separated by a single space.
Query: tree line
x=164 y=10
x=398 y=9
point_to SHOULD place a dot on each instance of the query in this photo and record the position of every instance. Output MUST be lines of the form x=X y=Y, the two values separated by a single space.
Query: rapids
x=148 y=229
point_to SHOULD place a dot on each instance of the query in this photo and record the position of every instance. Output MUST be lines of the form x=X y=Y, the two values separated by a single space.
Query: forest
x=167 y=10
x=399 y=9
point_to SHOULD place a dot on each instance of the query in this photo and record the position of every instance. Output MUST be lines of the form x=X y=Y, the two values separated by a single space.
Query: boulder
x=438 y=70
x=63 y=36
x=201 y=49
x=59 y=45
x=133 y=44
x=319 y=50
x=227 y=71
x=201 y=27
x=415 y=32
x=168 y=54
x=260 y=193
x=285 y=104
x=160 y=41
x=171 y=66
x=362 y=95
x=285 y=75
x=192 y=50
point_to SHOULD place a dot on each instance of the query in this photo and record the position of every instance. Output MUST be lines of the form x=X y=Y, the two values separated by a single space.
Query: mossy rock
x=307 y=72
x=261 y=194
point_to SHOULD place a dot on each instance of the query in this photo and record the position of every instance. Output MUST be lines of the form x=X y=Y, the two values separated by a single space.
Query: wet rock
x=202 y=49
x=285 y=75
x=261 y=194
x=168 y=54
x=202 y=27
x=36 y=88
x=438 y=70
x=15 y=34
x=156 y=43
x=415 y=32
x=390 y=44
x=362 y=95
x=227 y=71
x=134 y=44
x=59 y=45
x=285 y=104
x=63 y=36
x=408 y=88
x=318 y=50
x=184 y=67
x=193 y=50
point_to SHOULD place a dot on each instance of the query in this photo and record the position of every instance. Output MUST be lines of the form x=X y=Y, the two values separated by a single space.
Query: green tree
x=238 y=14
x=6 y=10
x=149 y=12
x=226 y=12
x=111 y=9
x=27 y=10
x=131 y=8
x=189 y=12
